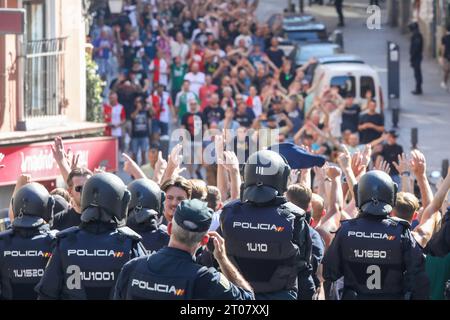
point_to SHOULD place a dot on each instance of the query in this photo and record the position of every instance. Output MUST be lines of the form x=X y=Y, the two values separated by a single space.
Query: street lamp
x=115 y=6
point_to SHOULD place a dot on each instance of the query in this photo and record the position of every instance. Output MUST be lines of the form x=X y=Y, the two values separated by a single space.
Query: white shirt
x=196 y=80
x=247 y=39
x=116 y=111
x=179 y=49
x=335 y=123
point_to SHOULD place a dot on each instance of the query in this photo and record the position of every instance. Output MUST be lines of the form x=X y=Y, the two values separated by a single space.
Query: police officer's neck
x=180 y=246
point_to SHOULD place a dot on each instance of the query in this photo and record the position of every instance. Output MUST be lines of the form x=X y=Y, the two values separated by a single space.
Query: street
x=429 y=113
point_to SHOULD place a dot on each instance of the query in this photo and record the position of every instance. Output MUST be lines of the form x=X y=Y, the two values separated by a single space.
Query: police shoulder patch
x=224 y=281
x=65 y=233
x=128 y=232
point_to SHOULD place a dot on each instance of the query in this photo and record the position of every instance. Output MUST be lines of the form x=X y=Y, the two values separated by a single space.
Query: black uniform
x=172 y=274
x=153 y=237
x=87 y=259
x=378 y=258
x=439 y=244
x=24 y=253
x=269 y=245
x=415 y=51
x=377 y=255
x=27 y=246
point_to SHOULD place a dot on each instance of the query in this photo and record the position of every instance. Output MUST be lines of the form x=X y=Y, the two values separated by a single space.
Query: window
x=44 y=61
x=346 y=85
x=367 y=83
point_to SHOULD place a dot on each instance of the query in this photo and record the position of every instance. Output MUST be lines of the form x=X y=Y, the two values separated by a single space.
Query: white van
x=353 y=78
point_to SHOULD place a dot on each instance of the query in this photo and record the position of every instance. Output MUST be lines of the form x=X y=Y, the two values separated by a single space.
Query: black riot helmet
x=376 y=193
x=266 y=176
x=147 y=201
x=104 y=197
x=32 y=205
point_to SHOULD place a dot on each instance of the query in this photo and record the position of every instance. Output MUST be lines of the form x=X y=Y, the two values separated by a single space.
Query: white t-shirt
x=116 y=112
x=247 y=39
x=196 y=80
x=179 y=49
x=335 y=123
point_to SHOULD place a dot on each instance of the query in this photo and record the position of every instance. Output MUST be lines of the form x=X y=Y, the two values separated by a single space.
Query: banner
x=37 y=158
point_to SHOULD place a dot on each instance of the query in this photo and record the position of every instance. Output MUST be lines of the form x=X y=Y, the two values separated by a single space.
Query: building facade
x=43 y=87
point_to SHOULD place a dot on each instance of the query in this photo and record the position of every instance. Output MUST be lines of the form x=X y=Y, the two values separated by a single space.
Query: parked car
x=350 y=78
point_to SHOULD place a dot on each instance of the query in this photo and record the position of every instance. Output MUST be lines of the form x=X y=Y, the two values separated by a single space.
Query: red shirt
x=205 y=93
x=199 y=57
x=107 y=117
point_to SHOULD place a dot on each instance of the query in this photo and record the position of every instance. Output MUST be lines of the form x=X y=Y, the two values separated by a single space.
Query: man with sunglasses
x=72 y=216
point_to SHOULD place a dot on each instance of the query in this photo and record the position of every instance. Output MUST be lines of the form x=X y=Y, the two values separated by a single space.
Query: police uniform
x=147 y=203
x=87 y=259
x=27 y=246
x=266 y=237
x=173 y=274
x=377 y=255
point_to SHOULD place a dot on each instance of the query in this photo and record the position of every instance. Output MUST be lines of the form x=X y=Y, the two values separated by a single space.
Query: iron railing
x=44 y=77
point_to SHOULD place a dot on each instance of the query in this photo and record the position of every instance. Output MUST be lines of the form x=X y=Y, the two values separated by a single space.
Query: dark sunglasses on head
x=79 y=189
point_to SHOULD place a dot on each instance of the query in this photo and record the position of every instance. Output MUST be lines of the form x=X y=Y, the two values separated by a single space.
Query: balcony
x=44 y=84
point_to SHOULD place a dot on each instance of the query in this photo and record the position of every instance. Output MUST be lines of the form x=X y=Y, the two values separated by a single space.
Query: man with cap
x=146 y=205
x=376 y=254
x=267 y=237
x=172 y=273
x=87 y=258
x=27 y=246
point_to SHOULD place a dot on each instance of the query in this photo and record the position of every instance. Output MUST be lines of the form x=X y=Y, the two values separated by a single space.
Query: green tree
x=94 y=89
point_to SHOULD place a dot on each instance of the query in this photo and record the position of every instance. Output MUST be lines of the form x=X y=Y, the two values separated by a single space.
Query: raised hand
x=418 y=163
x=175 y=157
x=402 y=164
x=22 y=180
x=231 y=161
x=366 y=155
x=58 y=150
x=382 y=165
x=333 y=172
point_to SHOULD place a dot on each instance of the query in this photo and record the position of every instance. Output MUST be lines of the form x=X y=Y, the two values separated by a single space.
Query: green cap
x=193 y=215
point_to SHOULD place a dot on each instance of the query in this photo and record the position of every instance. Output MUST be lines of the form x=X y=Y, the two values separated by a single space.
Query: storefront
x=37 y=160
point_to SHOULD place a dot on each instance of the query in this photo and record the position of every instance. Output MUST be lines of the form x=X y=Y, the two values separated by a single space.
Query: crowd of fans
x=204 y=65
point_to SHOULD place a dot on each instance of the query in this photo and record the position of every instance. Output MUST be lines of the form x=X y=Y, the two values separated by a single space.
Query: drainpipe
x=3 y=74
x=20 y=52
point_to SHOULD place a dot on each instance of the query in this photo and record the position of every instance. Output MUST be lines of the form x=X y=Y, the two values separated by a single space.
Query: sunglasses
x=79 y=189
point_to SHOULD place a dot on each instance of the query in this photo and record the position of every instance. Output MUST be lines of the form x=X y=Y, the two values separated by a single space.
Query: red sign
x=37 y=158
x=12 y=21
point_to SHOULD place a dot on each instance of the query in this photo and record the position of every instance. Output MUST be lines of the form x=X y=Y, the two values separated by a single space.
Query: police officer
x=88 y=258
x=267 y=237
x=377 y=255
x=27 y=246
x=416 y=51
x=147 y=203
x=172 y=273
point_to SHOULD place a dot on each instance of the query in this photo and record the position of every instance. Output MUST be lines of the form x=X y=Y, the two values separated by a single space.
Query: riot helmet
x=32 y=206
x=104 y=198
x=376 y=193
x=147 y=201
x=266 y=176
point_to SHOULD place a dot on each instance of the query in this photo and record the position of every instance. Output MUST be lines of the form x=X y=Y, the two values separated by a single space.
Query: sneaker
x=416 y=92
x=444 y=85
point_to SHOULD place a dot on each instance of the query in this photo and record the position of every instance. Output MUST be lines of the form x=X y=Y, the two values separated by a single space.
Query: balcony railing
x=44 y=78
